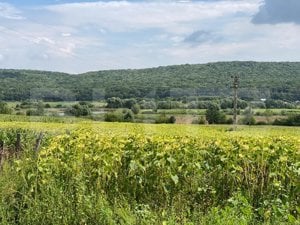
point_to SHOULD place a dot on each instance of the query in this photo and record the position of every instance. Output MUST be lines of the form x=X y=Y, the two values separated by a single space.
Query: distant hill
x=276 y=80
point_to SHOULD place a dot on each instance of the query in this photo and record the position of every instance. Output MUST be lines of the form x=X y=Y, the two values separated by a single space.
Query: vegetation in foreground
x=116 y=177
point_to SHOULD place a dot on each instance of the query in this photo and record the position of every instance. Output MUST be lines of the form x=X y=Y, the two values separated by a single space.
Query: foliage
x=200 y=120
x=162 y=118
x=135 y=108
x=4 y=108
x=227 y=103
x=38 y=111
x=169 y=105
x=279 y=81
x=214 y=115
x=87 y=177
x=79 y=110
x=292 y=120
x=114 y=103
x=248 y=118
x=147 y=104
x=125 y=115
x=278 y=104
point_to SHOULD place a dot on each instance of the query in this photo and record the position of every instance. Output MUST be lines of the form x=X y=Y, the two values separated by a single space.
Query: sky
x=78 y=36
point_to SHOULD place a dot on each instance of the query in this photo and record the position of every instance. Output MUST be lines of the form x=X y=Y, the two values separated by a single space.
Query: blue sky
x=78 y=36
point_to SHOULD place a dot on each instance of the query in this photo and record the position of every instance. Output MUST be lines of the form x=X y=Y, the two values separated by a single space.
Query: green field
x=123 y=173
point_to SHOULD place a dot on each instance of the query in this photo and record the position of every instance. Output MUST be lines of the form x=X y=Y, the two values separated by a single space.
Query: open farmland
x=124 y=173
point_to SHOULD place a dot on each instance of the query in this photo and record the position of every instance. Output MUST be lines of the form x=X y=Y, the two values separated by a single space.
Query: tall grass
x=88 y=178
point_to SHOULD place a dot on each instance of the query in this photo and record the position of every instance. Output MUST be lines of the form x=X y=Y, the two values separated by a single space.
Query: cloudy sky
x=78 y=36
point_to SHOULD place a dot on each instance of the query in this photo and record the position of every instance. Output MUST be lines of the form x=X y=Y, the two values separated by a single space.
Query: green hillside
x=280 y=80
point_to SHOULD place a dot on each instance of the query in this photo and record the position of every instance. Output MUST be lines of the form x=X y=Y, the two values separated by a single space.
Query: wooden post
x=1 y=146
x=38 y=142
x=235 y=98
x=18 y=142
x=1 y=151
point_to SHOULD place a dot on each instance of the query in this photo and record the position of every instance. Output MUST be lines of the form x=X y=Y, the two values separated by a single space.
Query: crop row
x=166 y=174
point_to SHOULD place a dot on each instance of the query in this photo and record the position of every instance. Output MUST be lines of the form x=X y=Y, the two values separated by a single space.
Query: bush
x=20 y=113
x=26 y=104
x=78 y=110
x=32 y=112
x=214 y=115
x=82 y=103
x=135 y=108
x=147 y=104
x=169 y=105
x=200 y=120
x=229 y=121
x=113 y=117
x=248 y=118
x=292 y=120
x=276 y=104
x=47 y=106
x=114 y=103
x=162 y=118
x=172 y=119
x=5 y=109
x=119 y=116
x=128 y=115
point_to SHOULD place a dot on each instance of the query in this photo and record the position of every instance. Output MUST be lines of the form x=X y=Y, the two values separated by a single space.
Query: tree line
x=277 y=81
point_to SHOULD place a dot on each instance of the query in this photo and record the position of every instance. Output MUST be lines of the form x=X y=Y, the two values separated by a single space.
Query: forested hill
x=280 y=80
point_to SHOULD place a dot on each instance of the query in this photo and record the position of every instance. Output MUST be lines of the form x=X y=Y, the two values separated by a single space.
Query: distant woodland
x=269 y=80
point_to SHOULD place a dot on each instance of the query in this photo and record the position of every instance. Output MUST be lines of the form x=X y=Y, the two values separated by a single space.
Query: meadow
x=122 y=173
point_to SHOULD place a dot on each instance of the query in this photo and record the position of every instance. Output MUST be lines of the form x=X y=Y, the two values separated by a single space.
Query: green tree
x=135 y=108
x=40 y=109
x=125 y=115
x=114 y=103
x=79 y=110
x=4 y=108
x=214 y=115
x=129 y=103
x=248 y=118
x=128 y=115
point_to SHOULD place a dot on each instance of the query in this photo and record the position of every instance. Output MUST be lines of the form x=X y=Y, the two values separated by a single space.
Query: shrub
x=4 y=108
x=292 y=120
x=229 y=121
x=135 y=108
x=162 y=118
x=248 y=118
x=200 y=120
x=119 y=116
x=78 y=110
x=113 y=117
x=214 y=115
x=128 y=115
x=47 y=106
x=172 y=119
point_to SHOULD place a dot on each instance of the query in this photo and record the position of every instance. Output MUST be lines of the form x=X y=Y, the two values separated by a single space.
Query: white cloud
x=7 y=11
x=39 y=40
x=245 y=41
x=80 y=37
x=66 y=34
x=124 y=16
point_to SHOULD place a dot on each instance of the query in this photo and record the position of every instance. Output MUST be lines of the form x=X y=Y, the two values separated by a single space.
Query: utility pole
x=235 y=98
